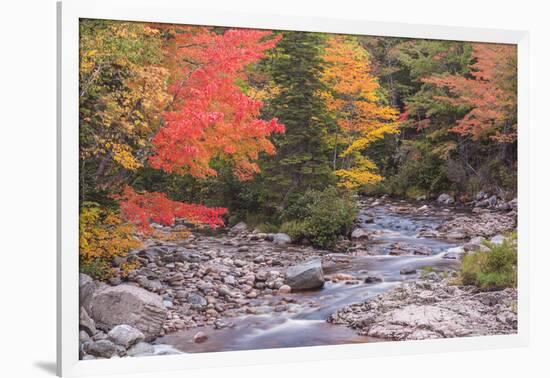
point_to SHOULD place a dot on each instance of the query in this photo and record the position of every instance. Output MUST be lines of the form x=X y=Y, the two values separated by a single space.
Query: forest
x=282 y=130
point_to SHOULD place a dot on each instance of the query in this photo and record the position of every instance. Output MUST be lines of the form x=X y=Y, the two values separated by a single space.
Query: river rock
x=454 y=253
x=474 y=244
x=125 y=335
x=456 y=235
x=360 y=234
x=281 y=238
x=402 y=249
x=197 y=300
x=407 y=270
x=365 y=218
x=308 y=275
x=498 y=239
x=445 y=199
x=100 y=348
x=87 y=288
x=493 y=200
x=418 y=310
x=83 y=336
x=131 y=305
x=373 y=279
x=481 y=195
x=141 y=349
x=239 y=228
x=285 y=289
x=484 y=224
x=86 y=323
x=200 y=337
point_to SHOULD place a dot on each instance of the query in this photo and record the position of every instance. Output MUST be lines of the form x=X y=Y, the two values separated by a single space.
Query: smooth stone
x=200 y=337
x=281 y=239
x=308 y=275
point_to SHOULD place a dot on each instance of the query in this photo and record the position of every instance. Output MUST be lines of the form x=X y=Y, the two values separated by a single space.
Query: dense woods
x=279 y=129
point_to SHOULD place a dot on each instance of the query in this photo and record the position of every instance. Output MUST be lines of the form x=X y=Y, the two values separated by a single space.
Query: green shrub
x=267 y=227
x=320 y=216
x=99 y=268
x=296 y=229
x=493 y=270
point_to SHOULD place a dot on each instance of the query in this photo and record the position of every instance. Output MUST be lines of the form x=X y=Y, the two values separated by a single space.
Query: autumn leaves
x=353 y=98
x=175 y=115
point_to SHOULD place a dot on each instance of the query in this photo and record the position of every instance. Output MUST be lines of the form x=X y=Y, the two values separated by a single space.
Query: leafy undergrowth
x=320 y=217
x=104 y=235
x=493 y=270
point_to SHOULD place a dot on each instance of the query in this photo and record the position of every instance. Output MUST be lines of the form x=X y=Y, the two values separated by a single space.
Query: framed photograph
x=242 y=188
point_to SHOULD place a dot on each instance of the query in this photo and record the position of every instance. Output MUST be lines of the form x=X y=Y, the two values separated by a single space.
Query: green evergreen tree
x=302 y=160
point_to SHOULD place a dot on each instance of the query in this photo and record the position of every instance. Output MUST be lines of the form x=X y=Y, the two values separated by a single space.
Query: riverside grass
x=493 y=270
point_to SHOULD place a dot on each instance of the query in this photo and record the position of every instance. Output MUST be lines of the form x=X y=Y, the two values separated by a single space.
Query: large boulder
x=86 y=323
x=281 y=238
x=87 y=288
x=131 y=305
x=308 y=275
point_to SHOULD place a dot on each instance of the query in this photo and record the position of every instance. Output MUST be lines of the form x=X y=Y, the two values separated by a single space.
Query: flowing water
x=304 y=323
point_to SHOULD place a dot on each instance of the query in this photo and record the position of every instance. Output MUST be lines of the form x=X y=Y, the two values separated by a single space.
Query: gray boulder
x=474 y=244
x=125 y=335
x=454 y=253
x=131 y=305
x=87 y=288
x=308 y=275
x=407 y=270
x=83 y=336
x=141 y=349
x=239 y=228
x=86 y=323
x=373 y=279
x=100 y=348
x=197 y=301
x=498 y=239
x=481 y=196
x=493 y=200
x=281 y=238
x=445 y=199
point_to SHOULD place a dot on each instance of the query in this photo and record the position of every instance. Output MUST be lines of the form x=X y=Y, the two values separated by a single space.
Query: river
x=303 y=323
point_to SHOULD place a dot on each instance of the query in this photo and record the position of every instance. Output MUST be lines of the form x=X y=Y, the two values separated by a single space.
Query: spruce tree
x=302 y=159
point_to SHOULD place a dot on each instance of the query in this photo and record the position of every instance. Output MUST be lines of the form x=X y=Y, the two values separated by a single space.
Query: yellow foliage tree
x=103 y=236
x=122 y=91
x=353 y=98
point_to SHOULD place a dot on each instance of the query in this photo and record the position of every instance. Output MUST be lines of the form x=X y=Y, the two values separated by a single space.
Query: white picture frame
x=172 y=11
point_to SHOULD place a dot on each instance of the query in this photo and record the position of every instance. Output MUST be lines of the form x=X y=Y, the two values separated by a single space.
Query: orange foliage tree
x=355 y=101
x=488 y=93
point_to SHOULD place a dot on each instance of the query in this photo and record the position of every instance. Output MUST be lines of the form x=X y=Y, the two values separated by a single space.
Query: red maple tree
x=210 y=117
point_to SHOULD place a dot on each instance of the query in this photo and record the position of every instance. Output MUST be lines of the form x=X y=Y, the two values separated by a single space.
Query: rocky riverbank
x=430 y=309
x=209 y=284
x=200 y=282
